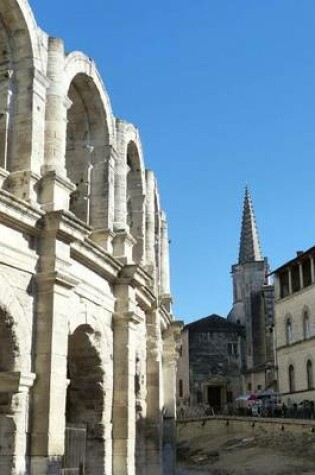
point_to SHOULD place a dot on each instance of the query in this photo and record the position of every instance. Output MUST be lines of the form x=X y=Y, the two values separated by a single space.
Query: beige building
x=87 y=338
x=295 y=327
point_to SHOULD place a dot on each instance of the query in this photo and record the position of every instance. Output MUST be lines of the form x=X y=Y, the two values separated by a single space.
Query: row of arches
x=70 y=131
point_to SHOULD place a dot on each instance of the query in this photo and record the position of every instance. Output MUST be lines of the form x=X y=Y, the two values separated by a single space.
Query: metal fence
x=75 y=450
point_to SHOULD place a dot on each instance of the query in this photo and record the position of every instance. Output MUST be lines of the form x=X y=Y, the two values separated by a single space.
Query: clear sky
x=223 y=92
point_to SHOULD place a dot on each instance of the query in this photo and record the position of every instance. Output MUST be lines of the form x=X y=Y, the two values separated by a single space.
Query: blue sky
x=223 y=92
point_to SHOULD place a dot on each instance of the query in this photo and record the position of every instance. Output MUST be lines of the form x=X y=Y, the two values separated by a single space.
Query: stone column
x=165 y=290
x=5 y=111
x=154 y=421
x=290 y=281
x=56 y=187
x=124 y=420
x=301 y=276
x=120 y=219
x=170 y=356
x=26 y=140
x=49 y=403
x=53 y=290
x=14 y=426
x=103 y=201
x=123 y=242
x=150 y=221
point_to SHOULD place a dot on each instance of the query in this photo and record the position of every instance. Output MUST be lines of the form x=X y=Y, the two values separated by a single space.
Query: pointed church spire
x=249 y=246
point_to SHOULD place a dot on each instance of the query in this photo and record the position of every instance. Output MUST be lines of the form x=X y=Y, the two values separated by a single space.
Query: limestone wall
x=237 y=426
x=87 y=337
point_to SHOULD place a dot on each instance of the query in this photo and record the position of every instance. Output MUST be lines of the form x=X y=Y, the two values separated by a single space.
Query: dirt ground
x=263 y=454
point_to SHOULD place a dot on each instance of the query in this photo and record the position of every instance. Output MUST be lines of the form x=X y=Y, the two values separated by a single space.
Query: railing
x=71 y=471
x=75 y=450
x=194 y=412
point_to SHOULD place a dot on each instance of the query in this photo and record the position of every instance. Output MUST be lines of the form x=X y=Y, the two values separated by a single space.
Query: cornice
x=19 y=214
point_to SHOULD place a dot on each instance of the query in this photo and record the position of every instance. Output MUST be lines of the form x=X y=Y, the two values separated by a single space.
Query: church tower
x=253 y=302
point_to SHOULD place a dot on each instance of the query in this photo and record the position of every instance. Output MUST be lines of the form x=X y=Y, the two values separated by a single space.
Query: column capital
x=16 y=382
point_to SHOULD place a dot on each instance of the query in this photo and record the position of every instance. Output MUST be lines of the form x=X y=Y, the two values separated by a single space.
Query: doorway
x=214 y=397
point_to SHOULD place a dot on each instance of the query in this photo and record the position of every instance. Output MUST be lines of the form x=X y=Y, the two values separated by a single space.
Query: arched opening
x=291 y=379
x=288 y=330
x=87 y=149
x=306 y=325
x=7 y=96
x=309 y=372
x=84 y=445
x=17 y=61
x=7 y=353
x=135 y=201
x=8 y=432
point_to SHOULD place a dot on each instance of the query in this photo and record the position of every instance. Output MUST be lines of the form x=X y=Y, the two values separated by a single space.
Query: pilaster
x=154 y=420
x=124 y=414
x=172 y=340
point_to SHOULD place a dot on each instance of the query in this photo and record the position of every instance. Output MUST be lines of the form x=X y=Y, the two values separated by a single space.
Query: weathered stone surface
x=87 y=338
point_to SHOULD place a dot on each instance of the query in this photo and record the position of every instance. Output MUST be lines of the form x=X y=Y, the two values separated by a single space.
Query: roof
x=213 y=322
x=249 y=245
x=300 y=257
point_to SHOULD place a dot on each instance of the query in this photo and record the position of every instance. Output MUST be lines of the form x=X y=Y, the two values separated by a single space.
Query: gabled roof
x=249 y=246
x=213 y=322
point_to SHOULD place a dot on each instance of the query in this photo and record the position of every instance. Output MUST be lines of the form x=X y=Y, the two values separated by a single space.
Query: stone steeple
x=249 y=246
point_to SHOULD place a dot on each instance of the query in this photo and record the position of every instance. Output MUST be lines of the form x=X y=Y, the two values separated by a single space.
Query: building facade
x=210 y=366
x=88 y=344
x=253 y=299
x=295 y=327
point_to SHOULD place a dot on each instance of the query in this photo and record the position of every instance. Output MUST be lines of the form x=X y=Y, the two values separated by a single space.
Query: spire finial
x=249 y=246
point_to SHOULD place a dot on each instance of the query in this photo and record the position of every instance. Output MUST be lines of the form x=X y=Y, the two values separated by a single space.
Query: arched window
x=306 y=325
x=288 y=331
x=309 y=371
x=181 y=388
x=291 y=379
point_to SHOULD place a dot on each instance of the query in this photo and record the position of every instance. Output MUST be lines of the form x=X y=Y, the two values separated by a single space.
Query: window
x=309 y=371
x=181 y=391
x=306 y=269
x=288 y=331
x=284 y=284
x=295 y=278
x=232 y=349
x=291 y=379
x=306 y=325
x=199 y=397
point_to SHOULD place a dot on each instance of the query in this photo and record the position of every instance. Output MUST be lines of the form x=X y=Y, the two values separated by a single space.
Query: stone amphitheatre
x=88 y=344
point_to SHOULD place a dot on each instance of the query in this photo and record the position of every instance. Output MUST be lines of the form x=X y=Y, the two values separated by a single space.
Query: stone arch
x=19 y=58
x=14 y=324
x=306 y=322
x=86 y=395
x=291 y=378
x=89 y=140
x=135 y=194
x=309 y=373
x=288 y=324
